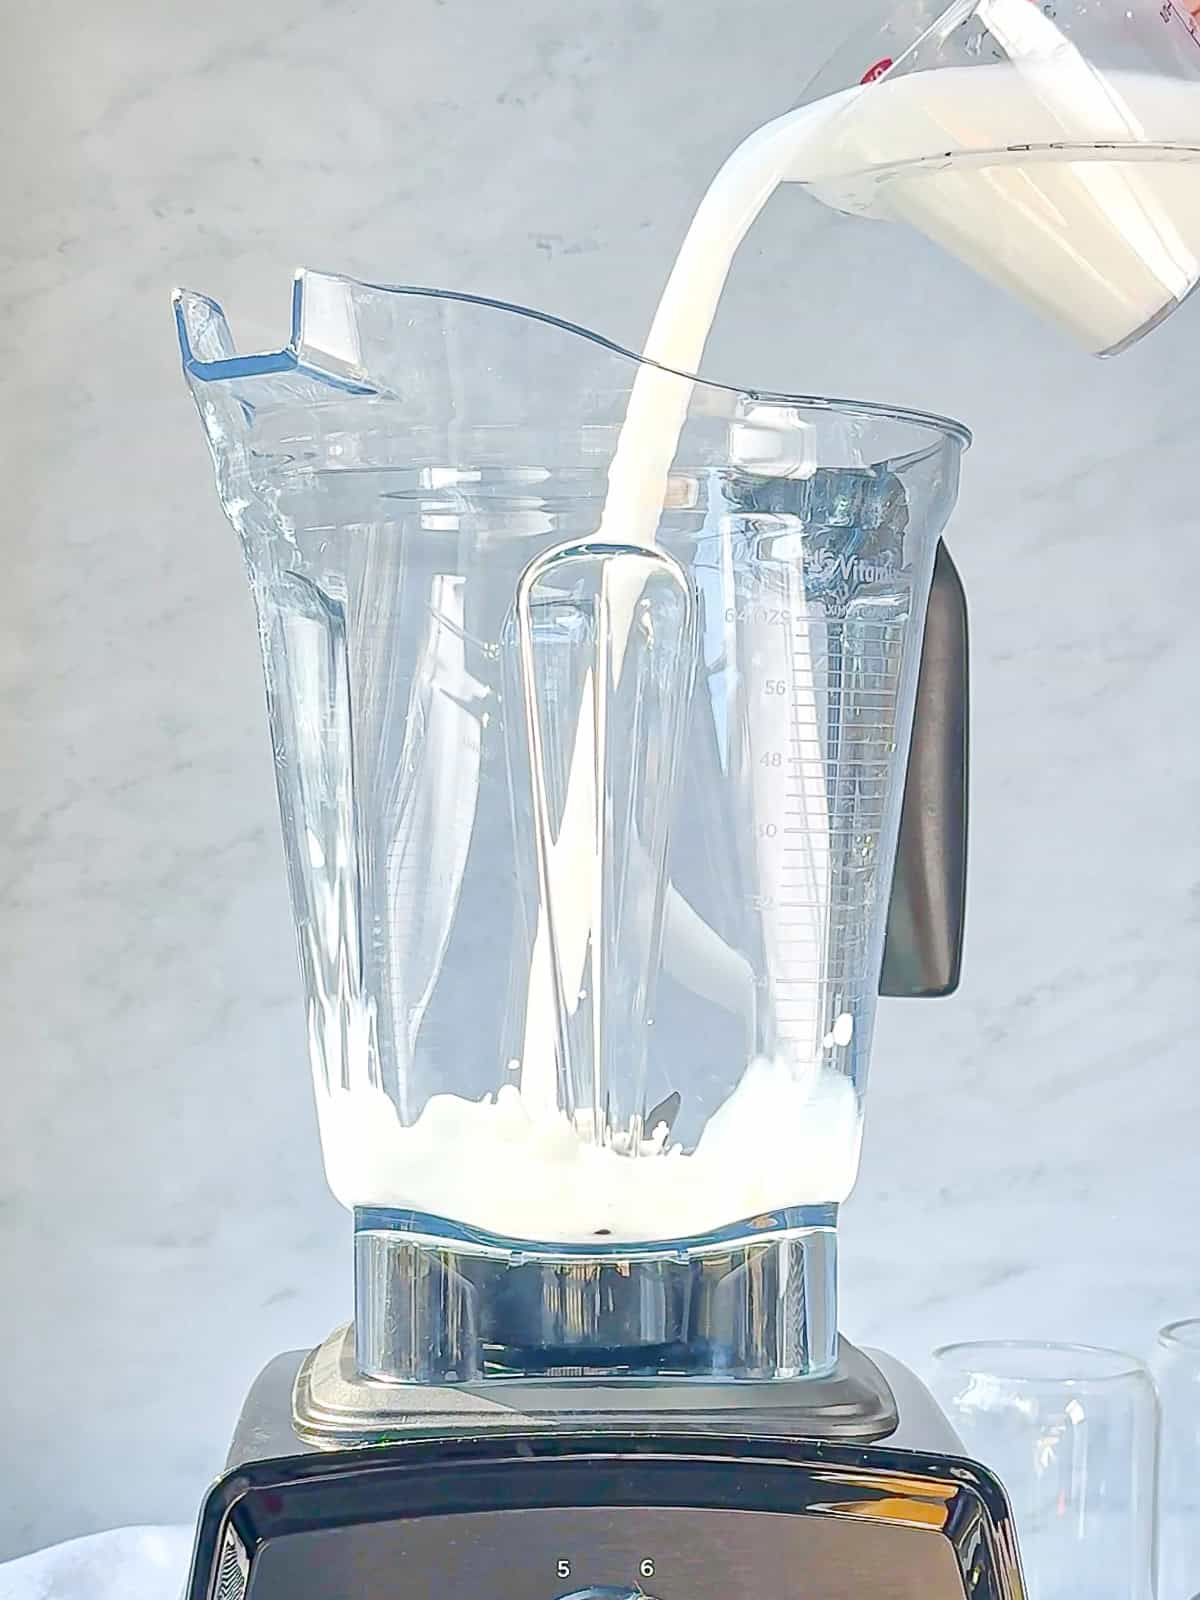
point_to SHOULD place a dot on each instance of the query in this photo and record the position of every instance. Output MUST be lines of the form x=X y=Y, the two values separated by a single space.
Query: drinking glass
x=1176 y=1367
x=1070 y=1430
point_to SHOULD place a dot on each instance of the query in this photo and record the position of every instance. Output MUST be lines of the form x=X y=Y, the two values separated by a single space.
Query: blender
x=603 y=835
x=599 y=850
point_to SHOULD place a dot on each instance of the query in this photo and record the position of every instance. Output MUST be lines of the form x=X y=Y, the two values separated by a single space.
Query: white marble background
x=1031 y=1162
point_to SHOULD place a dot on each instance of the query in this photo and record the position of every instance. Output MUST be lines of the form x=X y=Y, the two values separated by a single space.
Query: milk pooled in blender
x=1102 y=245
x=506 y=1166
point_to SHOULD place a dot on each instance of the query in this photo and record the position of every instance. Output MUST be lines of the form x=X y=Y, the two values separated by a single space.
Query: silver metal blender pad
x=316 y=1399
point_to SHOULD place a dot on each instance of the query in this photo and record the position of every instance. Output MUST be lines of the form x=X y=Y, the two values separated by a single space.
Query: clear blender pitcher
x=1050 y=146
x=589 y=829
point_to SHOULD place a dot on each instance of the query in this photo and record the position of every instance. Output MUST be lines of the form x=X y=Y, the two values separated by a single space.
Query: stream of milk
x=1104 y=245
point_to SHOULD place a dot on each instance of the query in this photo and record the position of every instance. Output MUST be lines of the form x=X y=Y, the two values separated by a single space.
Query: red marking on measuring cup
x=877 y=71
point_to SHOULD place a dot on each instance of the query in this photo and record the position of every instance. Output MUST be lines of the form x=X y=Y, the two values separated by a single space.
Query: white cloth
x=123 y=1564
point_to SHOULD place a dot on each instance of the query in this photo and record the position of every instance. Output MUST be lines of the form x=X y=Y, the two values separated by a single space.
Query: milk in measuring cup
x=1102 y=240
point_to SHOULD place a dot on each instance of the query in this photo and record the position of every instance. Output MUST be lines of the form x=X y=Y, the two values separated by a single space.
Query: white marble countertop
x=1030 y=1165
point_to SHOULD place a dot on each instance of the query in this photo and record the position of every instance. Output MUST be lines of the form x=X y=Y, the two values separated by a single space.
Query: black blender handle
x=922 y=953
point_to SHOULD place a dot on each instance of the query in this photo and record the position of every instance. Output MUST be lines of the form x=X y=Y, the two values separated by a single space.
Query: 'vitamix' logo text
x=852 y=570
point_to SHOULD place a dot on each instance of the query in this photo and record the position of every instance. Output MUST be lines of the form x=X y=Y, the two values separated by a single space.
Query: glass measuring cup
x=1051 y=147
x=589 y=829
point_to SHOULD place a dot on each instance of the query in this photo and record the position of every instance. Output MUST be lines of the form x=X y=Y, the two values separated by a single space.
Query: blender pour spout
x=204 y=334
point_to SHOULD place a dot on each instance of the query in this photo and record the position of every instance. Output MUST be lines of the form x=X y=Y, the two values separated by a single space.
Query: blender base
x=436 y=1303
x=585 y=1499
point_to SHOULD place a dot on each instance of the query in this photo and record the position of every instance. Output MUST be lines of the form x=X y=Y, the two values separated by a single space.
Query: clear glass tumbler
x=1176 y=1367
x=1070 y=1430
